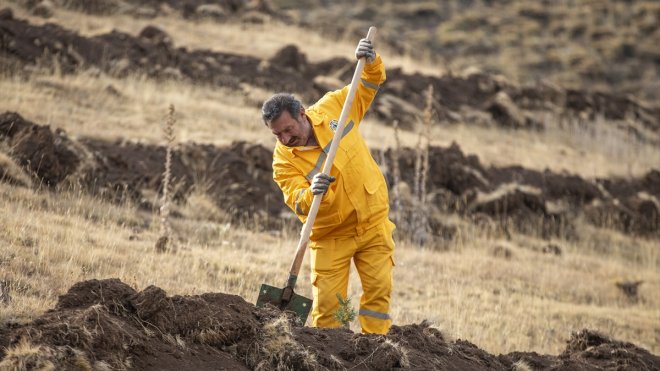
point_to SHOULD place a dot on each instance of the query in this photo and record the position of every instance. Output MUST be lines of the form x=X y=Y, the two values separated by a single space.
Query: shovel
x=286 y=298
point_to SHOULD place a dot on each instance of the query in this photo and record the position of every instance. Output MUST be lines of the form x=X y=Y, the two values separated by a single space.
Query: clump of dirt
x=108 y=324
x=45 y=154
x=588 y=348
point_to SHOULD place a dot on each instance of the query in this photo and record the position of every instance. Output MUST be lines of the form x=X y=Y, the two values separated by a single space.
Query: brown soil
x=239 y=179
x=108 y=323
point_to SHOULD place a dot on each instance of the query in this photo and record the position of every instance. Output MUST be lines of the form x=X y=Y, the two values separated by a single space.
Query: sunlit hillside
x=588 y=258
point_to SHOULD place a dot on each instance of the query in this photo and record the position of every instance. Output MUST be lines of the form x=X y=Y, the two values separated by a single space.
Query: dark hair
x=278 y=103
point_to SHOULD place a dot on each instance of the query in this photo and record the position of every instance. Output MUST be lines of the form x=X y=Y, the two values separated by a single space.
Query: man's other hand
x=320 y=183
x=365 y=49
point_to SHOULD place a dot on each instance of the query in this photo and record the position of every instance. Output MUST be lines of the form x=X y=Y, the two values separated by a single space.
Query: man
x=352 y=221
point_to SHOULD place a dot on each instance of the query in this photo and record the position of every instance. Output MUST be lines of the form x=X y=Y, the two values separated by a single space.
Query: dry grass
x=530 y=301
x=12 y=172
x=25 y=356
x=84 y=105
x=279 y=350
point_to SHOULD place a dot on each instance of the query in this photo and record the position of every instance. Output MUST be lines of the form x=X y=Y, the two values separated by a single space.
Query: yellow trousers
x=372 y=253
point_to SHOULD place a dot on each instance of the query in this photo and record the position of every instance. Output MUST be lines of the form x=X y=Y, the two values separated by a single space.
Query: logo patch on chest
x=333 y=125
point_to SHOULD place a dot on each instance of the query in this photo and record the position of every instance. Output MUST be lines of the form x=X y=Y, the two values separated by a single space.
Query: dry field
x=503 y=295
x=500 y=293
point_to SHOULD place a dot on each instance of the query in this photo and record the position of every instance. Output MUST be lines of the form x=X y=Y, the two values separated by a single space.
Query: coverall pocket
x=377 y=202
x=321 y=256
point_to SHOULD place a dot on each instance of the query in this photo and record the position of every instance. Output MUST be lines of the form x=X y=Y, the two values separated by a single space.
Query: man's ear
x=302 y=111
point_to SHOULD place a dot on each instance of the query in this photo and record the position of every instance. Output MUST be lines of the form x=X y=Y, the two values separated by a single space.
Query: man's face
x=291 y=131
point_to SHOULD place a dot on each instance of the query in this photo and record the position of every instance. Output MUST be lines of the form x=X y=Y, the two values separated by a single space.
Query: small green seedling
x=345 y=314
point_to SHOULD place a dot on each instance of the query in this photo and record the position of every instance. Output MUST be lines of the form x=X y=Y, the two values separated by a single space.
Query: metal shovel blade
x=300 y=305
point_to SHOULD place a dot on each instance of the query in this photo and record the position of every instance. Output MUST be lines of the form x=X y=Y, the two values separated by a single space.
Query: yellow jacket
x=358 y=199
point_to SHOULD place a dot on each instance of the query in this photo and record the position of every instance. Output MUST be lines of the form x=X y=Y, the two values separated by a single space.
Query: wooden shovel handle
x=316 y=202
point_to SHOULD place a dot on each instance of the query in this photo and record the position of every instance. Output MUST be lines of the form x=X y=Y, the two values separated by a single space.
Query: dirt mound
x=531 y=201
x=478 y=98
x=481 y=98
x=120 y=54
x=239 y=179
x=104 y=324
x=48 y=155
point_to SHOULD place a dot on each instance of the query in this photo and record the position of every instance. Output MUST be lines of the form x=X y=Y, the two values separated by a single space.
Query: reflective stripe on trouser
x=330 y=261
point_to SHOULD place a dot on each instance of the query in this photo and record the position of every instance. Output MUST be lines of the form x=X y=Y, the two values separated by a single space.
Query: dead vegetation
x=166 y=199
x=277 y=349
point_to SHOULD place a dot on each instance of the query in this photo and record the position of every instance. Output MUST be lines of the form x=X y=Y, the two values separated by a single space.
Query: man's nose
x=285 y=139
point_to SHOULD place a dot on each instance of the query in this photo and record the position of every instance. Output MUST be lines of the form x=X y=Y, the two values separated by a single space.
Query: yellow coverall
x=352 y=221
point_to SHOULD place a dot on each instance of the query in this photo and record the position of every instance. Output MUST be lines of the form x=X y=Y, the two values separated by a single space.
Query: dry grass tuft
x=210 y=336
x=11 y=173
x=521 y=365
x=28 y=357
x=278 y=349
x=176 y=341
x=400 y=351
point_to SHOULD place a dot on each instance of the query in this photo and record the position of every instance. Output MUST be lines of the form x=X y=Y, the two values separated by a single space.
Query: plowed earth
x=108 y=323
x=239 y=179
x=476 y=99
